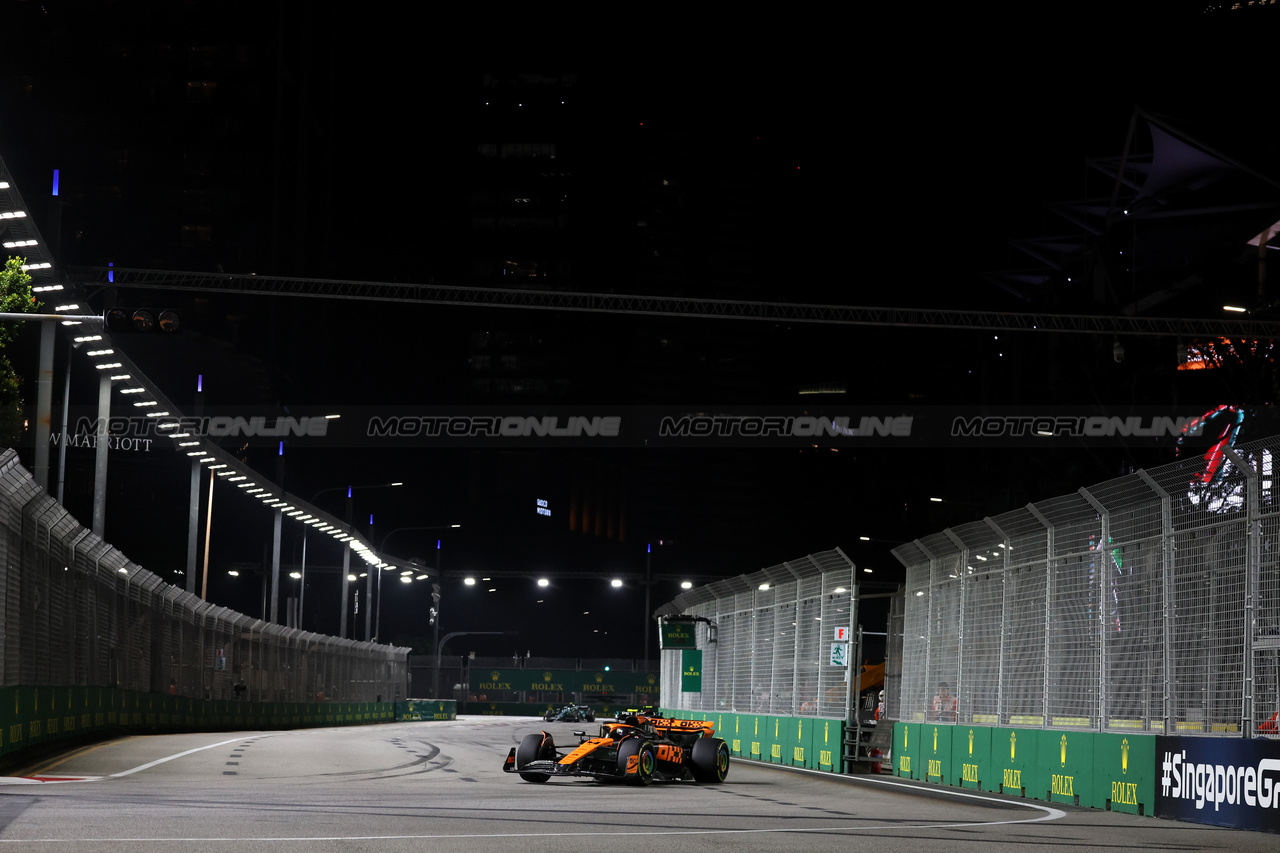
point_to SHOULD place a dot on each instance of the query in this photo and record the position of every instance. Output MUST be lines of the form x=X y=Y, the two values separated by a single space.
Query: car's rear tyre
x=531 y=748
x=546 y=718
x=642 y=751
x=591 y=718
x=709 y=761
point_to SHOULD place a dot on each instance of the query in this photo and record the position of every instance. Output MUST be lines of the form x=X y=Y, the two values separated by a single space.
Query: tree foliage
x=15 y=298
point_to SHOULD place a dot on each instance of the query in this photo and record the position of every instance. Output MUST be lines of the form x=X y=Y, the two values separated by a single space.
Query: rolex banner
x=691 y=671
x=677 y=634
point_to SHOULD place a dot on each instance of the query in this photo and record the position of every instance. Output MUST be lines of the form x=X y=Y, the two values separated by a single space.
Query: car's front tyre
x=639 y=749
x=532 y=747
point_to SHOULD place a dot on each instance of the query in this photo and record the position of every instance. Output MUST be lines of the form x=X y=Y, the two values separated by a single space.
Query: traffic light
x=146 y=320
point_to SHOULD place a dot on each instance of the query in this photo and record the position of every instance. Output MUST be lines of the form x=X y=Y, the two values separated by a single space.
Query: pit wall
x=1222 y=781
x=32 y=717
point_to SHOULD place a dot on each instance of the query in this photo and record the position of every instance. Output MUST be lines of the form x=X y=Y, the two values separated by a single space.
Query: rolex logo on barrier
x=1013 y=744
x=495 y=675
x=971 y=741
x=599 y=677
x=1064 y=750
x=935 y=738
x=546 y=676
x=1124 y=756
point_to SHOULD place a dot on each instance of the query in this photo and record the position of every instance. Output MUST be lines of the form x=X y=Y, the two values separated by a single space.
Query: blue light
x=349 y=488
x=437 y=544
x=281 y=453
x=648 y=549
x=55 y=182
x=111 y=275
x=371 y=518
x=199 y=382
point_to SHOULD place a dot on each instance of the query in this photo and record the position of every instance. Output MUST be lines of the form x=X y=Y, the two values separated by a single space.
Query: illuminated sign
x=543 y=508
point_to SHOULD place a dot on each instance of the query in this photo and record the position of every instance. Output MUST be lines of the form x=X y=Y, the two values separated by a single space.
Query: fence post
x=1104 y=573
x=1048 y=612
x=1004 y=614
x=1166 y=598
x=929 y=676
x=1251 y=579
x=960 y=652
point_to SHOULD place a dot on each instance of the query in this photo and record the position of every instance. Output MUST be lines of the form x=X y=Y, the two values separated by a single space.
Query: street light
x=346 y=549
x=382 y=549
x=447 y=638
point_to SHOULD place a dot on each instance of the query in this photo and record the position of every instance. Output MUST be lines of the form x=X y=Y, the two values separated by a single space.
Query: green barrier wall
x=935 y=755
x=1124 y=768
x=755 y=740
x=426 y=709
x=906 y=748
x=971 y=758
x=828 y=744
x=811 y=742
x=1065 y=767
x=773 y=740
x=1014 y=755
x=1098 y=770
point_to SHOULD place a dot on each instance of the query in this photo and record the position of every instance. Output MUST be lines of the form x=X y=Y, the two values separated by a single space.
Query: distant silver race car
x=570 y=714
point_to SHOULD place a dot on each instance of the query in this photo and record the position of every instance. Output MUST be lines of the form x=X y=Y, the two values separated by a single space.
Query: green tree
x=15 y=298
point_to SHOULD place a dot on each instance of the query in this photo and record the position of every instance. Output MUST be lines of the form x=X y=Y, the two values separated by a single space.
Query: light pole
x=435 y=595
x=449 y=636
x=346 y=548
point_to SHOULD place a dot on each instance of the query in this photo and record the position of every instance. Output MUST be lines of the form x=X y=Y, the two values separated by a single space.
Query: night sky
x=884 y=158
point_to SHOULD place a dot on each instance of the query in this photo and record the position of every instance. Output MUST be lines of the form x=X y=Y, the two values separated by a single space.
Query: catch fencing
x=1149 y=602
x=766 y=641
x=77 y=612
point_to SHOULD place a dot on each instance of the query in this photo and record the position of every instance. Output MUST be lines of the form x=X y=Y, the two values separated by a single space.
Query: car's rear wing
x=666 y=726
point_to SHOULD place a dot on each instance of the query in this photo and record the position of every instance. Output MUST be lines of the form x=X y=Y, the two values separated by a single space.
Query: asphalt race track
x=439 y=786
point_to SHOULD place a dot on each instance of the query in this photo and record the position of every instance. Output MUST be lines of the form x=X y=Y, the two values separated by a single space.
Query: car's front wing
x=552 y=767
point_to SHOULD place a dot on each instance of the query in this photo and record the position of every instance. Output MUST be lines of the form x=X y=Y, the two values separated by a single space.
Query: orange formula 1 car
x=637 y=750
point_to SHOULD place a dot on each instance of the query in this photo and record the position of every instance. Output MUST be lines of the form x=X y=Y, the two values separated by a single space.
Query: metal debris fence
x=766 y=642
x=1149 y=602
x=77 y=612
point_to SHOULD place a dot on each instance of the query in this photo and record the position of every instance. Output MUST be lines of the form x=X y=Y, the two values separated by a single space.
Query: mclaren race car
x=638 y=751
x=642 y=711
